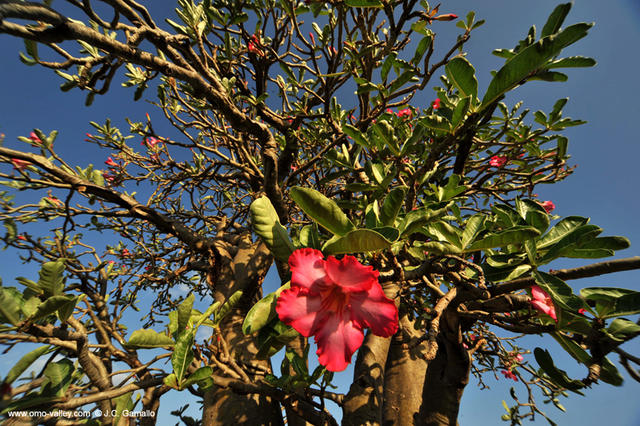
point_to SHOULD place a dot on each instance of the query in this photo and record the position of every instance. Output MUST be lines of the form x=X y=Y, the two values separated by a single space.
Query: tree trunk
x=446 y=377
x=404 y=377
x=243 y=266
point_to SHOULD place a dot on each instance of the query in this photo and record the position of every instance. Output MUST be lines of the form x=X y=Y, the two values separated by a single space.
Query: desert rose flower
x=542 y=302
x=19 y=164
x=445 y=17
x=335 y=300
x=35 y=139
x=404 y=113
x=498 y=161
x=436 y=104
x=110 y=162
x=548 y=206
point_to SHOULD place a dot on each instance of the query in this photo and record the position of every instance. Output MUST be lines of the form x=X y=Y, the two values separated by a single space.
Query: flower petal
x=544 y=308
x=350 y=274
x=307 y=268
x=299 y=308
x=538 y=293
x=337 y=338
x=374 y=310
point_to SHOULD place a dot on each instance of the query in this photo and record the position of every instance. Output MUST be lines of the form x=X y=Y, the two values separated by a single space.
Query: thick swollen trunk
x=404 y=377
x=242 y=266
x=446 y=378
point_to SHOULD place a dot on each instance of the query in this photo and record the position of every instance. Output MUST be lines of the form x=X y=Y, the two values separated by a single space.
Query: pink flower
x=35 y=139
x=519 y=357
x=404 y=113
x=498 y=161
x=111 y=163
x=389 y=111
x=53 y=200
x=582 y=311
x=19 y=164
x=542 y=302
x=436 y=104
x=509 y=375
x=445 y=17
x=548 y=206
x=151 y=142
x=22 y=238
x=334 y=300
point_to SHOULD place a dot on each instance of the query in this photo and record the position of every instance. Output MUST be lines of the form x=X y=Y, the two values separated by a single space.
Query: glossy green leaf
x=570 y=241
x=392 y=205
x=556 y=375
x=10 y=305
x=199 y=375
x=530 y=60
x=58 y=375
x=416 y=219
x=322 y=210
x=356 y=241
x=204 y=318
x=572 y=62
x=560 y=230
x=559 y=291
x=228 y=306
x=309 y=236
x=474 y=225
x=515 y=235
x=460 y=111
x=423 y=44
x=182 y=355
x=184 y=314
x=610 y=374
x=51 y=305
x=622 y=329
x=263 y=312
x=435 y=122
x=24 y=363
x=463 y=76
x=533 y=213
x=147 y=338
x=445 y=232
x=122 y=403
x=171 y=380
x=51 y=279
x=266 y=224
x=555 y=20
x=435 y=247
x=355 y=134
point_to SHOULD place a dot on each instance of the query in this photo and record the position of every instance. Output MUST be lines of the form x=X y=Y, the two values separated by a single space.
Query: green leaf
x=266 y=224
x=622 y=329
x=609 y=373
x=556 y=375
x=25 y=362
x=392 y=205
x=51 y=279
x=357 y=241
x=613 y=302
x=203 y=319
x=435 y=122
x=444 y=232
x=533 y=213
x=474 y=225
x=227 y=306
x=573 y=348
x=435 y=247
x=147 y=338
x=184 y=314
x=309 y=236
x=356 y=135
x=463 y=76
x=570 y=241
x=363 y=3
x=461 y=109
x=421 y=49
x=530 y=60
x=572 y=62
x=555 y=20
x=59 y=376
x=122 y=403
x=515 y=235
x=199 y=375
x=416 y=219
x=182 y=355
x=560 y=230
x=10 y=305
x=322 y=210
x=171 y=380
x=262 y=312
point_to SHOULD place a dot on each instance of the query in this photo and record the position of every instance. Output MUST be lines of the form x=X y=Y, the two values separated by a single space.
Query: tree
x=275 y=155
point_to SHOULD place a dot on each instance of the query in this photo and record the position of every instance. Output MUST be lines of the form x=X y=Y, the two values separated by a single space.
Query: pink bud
x=436 y=104
x=19 y=164
x=446 y=17
x=111 y=163
x=35 y=138
x=548 y=206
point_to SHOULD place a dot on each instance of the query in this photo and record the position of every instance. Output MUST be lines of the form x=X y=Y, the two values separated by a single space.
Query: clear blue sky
x=606 y=149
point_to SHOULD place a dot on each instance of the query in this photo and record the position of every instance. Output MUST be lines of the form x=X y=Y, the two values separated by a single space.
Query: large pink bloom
x=335 y=300
x=542 y=302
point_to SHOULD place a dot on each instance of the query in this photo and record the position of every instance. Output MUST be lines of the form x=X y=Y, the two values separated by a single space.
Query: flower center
x=334 y=300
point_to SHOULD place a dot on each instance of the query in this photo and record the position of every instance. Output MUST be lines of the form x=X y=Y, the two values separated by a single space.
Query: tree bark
x=446 y=378
x=243 y=266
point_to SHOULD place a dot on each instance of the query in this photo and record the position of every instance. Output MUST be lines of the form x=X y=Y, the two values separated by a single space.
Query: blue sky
x=604 y=186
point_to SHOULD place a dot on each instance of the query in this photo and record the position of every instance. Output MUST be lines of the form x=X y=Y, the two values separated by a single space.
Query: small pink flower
x=313 y=39
x=335 y=300
x=519 y=357
x=548 y=206
x=582 y=311
x=389 y=111
x=150 y=142
x=509 y=375
x=22 y=238
x=111 y=163
x=404 y=113
x=35 y=139
x=445 y=17
x=19 y=164
x=125 y=253
x=436 y=104
x=498 y=161
x=542 y=302
x=294 y=168
x=54 y=200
